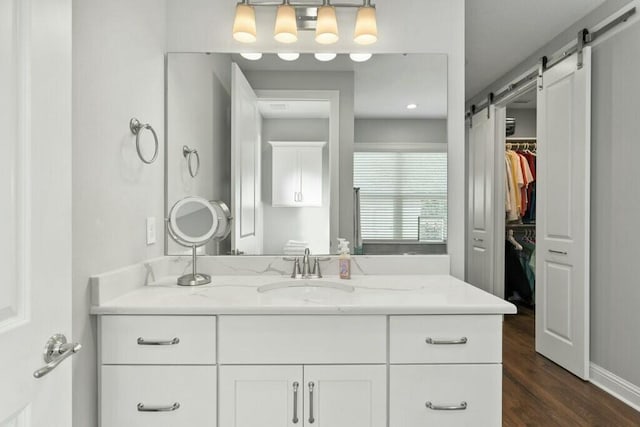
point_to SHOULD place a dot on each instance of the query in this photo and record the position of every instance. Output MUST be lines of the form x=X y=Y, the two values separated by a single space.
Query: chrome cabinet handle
x=432 y=341
x=55 y=351
x=475 y=239
x=295 y=402
x=311 y=387
x=142 y=408
x=557 y=252
x=142 y=341
x=461 y=407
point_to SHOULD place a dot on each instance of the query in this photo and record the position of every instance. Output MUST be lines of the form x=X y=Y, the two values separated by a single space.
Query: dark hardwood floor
x=537 y=392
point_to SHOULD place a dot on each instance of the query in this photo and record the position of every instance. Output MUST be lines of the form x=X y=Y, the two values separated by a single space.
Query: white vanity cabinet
x=445 y=370
x=298 y=370
x=157 y=371
x=293 y=370
x=309 y=395
x=297 y=173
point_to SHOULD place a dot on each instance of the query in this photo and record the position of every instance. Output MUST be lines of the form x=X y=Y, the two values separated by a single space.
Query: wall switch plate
x=151 y=230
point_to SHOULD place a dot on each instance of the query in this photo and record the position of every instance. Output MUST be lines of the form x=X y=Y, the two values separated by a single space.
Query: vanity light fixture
x=360 y=57
x=325 y=57
x=366 y=26
x=244 y=24
x=327 y=24
x=412 y=106
x=288 y=56
x=251 y=56
x=320 y=16
x=286 y=30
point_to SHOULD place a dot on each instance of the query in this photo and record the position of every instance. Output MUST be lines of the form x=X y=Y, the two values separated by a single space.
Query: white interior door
x=562 y=214
x=261 y=396
x=345 y=396
x=35 y=213
x=245 y=166
x=481 y=180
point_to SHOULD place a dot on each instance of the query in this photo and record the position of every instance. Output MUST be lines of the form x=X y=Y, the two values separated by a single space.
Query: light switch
x=151 y=230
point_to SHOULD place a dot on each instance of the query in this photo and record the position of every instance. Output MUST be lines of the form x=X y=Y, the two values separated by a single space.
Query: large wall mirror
x=309 y=150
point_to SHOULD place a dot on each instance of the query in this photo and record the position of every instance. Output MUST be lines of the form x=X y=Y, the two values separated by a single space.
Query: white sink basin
x=306 y=285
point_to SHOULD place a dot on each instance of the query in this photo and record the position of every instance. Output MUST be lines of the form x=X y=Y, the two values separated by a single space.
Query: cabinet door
x=259 y=396
x=345 y=396
x=285 y=177
x=310 y=160
x=157 y=396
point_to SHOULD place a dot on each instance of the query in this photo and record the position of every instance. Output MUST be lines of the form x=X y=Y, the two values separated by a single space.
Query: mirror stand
x=195 y=278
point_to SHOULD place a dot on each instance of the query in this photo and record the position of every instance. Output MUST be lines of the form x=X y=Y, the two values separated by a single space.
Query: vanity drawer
x=181 y=396
x=292 y=339
x=445 y=387
x=446 y=339
x=167 y=340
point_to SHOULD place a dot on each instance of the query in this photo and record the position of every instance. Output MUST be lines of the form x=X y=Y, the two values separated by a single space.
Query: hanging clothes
x=516 y=284
x=520 y=177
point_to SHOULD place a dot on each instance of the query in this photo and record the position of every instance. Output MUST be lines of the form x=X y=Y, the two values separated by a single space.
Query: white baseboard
x=615 y=386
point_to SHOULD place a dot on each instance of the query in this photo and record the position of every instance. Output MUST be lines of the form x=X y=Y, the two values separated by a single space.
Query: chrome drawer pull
x=142 y=408
x=432 y=341
x=311 y=418
x=142 y=341
x=461 y=407
x=295 y=402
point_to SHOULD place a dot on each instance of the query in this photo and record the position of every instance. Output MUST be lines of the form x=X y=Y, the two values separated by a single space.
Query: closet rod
x=561 y=55
x=520 y=226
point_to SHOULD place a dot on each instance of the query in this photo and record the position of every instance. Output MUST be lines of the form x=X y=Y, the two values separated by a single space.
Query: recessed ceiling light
x=412 y=106
x=324 y=57
x=360 y=57
x=289 y=56
x=251 y=56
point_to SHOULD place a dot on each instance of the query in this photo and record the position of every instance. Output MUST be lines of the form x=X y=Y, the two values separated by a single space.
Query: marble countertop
x=372 y=294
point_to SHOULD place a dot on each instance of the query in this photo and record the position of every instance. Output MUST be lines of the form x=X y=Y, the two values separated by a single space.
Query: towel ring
x=136 y=128
x=188 y=154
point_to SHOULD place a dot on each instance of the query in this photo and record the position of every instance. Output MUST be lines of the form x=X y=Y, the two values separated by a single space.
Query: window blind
x=403 y=195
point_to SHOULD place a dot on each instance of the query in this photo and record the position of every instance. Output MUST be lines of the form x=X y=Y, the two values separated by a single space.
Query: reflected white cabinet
x=290 y=396
x=297 y=173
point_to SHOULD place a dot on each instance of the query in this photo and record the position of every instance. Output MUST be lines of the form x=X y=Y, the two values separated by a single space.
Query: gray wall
x=615 y=201
x=401 y=130
x=118 y=73
x=525 y=122
x=309 y=224
x=334 y=80
x=615 y=205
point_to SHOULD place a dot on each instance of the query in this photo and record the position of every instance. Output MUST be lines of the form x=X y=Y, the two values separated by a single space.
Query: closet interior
x=520 y=163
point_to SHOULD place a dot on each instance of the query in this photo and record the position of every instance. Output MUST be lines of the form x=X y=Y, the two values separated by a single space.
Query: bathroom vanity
x=249 y=350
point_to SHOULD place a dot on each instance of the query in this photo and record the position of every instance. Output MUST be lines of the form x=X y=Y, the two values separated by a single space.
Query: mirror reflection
x=194 y=220
x=307 y=151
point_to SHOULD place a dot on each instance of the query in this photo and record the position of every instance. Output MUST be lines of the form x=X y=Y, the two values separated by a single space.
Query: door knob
x=56 y=350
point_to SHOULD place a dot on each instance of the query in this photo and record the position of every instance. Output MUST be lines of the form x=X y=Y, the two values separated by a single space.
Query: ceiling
x=384 y=85
x=500 y=34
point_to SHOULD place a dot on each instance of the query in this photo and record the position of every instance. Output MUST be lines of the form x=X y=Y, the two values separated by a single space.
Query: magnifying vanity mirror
x=307 y=151
x=193 y=222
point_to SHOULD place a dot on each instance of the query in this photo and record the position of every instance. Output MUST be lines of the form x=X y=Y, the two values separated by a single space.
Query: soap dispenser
x=344 y=260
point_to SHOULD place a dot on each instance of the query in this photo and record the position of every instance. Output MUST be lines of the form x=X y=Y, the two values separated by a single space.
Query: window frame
x=403 y=147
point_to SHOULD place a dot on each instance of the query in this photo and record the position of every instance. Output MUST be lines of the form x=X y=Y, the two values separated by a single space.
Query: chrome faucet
x=306 y=271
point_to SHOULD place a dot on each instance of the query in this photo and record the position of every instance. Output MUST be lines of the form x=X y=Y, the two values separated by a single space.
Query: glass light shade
x=327 y=25
x=366 y=27
x=244 y=24
x=324 y=57
x=286 y=30
x=360 y=57
x=251 y=56
x=288 y=56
